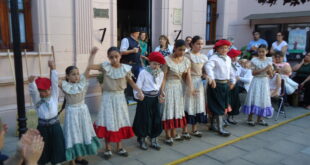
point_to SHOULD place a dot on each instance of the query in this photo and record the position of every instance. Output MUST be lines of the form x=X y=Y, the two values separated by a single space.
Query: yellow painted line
x=189 y=157
x=130 y=104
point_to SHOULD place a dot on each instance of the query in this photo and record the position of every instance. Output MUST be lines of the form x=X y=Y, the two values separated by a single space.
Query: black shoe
x=169 y=141
x=142 y=144
x=154 y=144
x=122 y=152
x=232 y=121
x=225 y=123
x=82 y=162
x=107 y=154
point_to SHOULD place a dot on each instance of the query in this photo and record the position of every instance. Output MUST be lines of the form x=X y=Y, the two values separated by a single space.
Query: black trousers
x=54 y=144
x=148 y=117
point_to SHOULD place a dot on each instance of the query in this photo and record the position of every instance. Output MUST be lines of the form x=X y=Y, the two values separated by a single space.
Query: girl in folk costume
x=177 y=66
x=80 y=136
x=222 y=77
x=44 y=94
x=234 y=92
x=195 y=105
x=147 y=120
x=113 y=122
x=258 y=100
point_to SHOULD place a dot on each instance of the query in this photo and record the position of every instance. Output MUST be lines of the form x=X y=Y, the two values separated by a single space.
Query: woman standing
x=164 y=46
x=279 y=46
x=143 y=39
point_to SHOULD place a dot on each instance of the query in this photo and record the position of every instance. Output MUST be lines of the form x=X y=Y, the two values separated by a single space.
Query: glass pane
x=20 y=4
x=209 y=13
x=208 y=32
x=22 y=27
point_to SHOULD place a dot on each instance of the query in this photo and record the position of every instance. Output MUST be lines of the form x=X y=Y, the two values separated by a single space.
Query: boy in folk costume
x=234 y=92
x=219 y=70
x=147 y=120
x=44 y=93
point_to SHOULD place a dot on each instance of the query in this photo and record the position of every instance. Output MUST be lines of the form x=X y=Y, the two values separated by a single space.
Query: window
x=25 y=25
x=211 y=21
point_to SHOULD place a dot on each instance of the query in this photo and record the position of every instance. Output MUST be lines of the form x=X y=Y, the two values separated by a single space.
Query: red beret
x=43 y=83
x=221 y=43
x=233 y=53
x=157 y=57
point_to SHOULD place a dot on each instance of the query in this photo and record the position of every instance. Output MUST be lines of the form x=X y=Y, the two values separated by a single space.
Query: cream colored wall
x=193 y=19
x=54 y=24
x=231 y=23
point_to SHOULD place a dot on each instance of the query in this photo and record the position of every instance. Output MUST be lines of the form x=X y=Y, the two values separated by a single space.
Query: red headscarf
x=221 y=43
x=157 y=57
x=233 y=53
x=43 y=83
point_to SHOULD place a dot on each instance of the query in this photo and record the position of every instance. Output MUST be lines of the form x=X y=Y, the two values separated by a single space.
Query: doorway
x=133 y=13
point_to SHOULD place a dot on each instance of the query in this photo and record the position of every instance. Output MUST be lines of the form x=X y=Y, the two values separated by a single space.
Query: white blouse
x=48 y=108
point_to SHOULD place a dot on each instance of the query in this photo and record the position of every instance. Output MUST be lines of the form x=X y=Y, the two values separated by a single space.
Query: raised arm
x=90 y=61
x=54 y=79
x=33 y=90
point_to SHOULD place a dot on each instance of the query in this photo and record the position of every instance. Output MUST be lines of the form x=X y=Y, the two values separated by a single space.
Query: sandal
x=122 y=152
x=262 y=123
x=107 y=154
x=82 y=162
x=186 y=136
x=197 y=133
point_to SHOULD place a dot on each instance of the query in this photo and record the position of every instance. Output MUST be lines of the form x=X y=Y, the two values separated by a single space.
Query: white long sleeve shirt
x=220 y=69
x=246 y=78
x=49 y=108
x=146 y=82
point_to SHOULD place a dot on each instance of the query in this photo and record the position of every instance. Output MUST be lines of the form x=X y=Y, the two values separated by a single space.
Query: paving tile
x=263 y=156
x=285 y=147
x=238 y=161
x=202 y=160
x=251 y=144
x=227 y=153
x=298 y=159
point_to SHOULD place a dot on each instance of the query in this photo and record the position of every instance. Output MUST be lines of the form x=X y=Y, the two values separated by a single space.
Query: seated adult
x=302 y=78
x=29 y=148
x=164 y=46
x=278 y=61
x=279 y=46
x=255 y=43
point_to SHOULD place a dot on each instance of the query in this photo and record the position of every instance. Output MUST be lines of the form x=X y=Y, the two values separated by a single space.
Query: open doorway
x=133 y=13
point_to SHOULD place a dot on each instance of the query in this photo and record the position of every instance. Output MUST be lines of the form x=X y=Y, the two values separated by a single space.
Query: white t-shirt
x=279 y=47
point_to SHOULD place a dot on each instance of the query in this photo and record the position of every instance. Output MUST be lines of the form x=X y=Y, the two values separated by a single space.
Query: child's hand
x=213 y=84
x=140 y=95
x=93 y=51
x=51 y=64
x=31 y=79
x=231 y=86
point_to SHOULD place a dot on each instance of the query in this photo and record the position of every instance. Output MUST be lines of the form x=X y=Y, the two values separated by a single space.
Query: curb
x=192 y=156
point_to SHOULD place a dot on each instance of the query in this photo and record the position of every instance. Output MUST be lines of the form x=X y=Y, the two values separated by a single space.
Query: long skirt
x=173 y=107
x=147 y=120
x=258 y=99
x=54 y=144
x=234 y=100
x=113 y=122
x=195 y=109
x=79 y=133
x=218 y=98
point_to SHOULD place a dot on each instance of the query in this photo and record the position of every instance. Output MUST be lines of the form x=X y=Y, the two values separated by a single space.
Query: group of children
x=170 y=94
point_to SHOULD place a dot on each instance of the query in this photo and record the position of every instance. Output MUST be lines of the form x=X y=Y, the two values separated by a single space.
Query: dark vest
x=133 y=57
